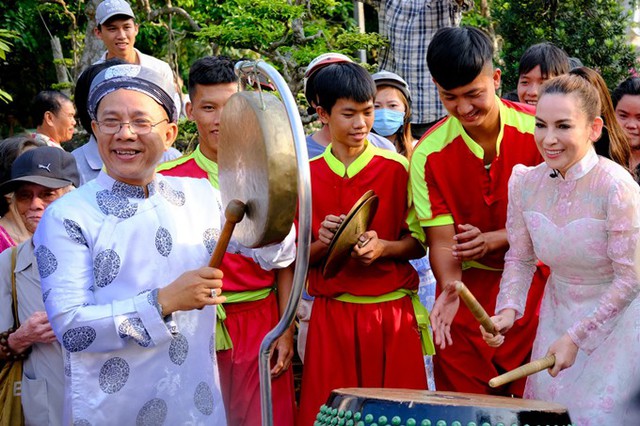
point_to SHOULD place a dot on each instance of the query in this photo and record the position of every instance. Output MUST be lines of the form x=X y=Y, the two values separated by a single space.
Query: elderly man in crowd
x=121 y=261
x=39 y=177
x=54 y=115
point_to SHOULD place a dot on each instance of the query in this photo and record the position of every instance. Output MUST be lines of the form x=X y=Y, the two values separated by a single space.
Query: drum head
x=355 y=223
x=257 y=165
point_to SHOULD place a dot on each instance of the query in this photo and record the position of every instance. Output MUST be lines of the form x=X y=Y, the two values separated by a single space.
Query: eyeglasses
x=137 y=127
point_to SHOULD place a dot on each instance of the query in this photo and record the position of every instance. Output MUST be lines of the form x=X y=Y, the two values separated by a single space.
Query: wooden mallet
x=523 y=371
x=475 y=307
x=233 y=213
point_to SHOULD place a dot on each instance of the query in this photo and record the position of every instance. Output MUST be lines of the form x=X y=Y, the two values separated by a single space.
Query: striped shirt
x=409 y=26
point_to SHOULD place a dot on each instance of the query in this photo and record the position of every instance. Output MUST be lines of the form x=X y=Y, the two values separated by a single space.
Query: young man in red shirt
x=459 y=175
x=363 y=330
x=252 y=308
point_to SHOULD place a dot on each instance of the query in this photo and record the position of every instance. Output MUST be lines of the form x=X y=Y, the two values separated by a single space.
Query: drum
x=383 y=407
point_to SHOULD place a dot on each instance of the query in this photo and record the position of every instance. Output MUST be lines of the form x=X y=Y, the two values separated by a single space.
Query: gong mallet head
x=233 y=213
x=523 y=371
x=475 y=307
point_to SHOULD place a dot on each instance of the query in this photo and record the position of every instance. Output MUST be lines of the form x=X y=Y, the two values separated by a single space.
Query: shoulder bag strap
x=14 y=292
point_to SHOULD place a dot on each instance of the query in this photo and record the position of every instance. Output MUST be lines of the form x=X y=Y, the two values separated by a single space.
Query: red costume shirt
x=451 y=184
x=335 y=190
x=240 y=272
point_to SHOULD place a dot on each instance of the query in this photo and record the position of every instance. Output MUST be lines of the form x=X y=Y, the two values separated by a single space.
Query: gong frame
x=252 y=71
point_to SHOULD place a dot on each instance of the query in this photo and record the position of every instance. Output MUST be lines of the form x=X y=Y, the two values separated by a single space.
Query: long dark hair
x=619 y=149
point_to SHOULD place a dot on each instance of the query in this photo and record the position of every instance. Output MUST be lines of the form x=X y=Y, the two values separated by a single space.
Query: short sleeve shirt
x=452 y=185
x=334 y=191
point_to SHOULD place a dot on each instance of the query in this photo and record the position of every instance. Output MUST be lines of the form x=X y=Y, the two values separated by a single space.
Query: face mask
x=386 y=122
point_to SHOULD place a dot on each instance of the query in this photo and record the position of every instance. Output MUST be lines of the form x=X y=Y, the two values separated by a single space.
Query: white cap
x=387 y=78
x=320 y=62
x=110 y=8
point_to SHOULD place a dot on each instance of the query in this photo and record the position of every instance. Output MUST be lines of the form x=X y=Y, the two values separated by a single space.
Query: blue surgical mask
x=386 y=122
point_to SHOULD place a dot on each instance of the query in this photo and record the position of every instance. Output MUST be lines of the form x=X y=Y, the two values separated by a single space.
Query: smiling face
x=205 y=108
x=474 y=104
x=31 y=200
x=529 y=84
x=563 y=133
x=628 y=115
x=129 y=157
x=118 y=36
x=349 y=122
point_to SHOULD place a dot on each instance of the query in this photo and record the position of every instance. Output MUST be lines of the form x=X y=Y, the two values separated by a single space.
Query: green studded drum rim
x=383 y=407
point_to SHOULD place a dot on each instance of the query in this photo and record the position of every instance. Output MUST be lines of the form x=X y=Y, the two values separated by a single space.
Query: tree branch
x=146 y=6
x=298 y=32
x=174 y=10
x=65 y=10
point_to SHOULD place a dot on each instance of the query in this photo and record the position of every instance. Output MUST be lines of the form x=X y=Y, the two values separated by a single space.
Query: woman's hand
x=502 y=323
x=565 y=352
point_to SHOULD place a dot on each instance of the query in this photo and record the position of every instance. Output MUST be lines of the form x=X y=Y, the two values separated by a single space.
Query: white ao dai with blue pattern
x=101 y=249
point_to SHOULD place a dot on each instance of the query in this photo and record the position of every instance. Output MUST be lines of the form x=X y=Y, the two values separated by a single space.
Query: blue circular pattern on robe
x=133 y=328
x=178 y=349
x=125 y=190
x=106 y=267
x=78 y=339
x=113 y=375
x=203 y=398
x=81 y=422
x=47 y=263
x=74 y=232
x=210 y=238
x=164 y=242
x=152 y=413
x=173 y=196
x=115 y=205
x=45 y=295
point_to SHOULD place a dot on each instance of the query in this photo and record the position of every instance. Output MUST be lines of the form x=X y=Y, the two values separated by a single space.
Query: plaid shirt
x=409 y=25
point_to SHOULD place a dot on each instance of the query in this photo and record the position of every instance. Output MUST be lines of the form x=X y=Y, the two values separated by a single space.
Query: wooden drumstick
x=233 y=213
x=523 y=371
x=475 y=307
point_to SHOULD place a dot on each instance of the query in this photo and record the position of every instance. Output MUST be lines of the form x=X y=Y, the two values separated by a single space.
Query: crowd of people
x=533 y=202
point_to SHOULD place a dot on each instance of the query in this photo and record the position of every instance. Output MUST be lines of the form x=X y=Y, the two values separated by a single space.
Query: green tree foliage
x=595 y=31
x=30 y=66
x=5 y=47
x=288 y=34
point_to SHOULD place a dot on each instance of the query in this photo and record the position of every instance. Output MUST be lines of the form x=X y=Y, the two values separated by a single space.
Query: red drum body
x=401 y=407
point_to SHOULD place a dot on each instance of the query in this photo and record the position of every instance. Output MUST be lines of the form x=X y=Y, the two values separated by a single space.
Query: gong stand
x=264 y=165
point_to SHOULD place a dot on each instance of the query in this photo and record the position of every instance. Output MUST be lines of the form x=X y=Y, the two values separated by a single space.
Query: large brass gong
x=257 y=165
